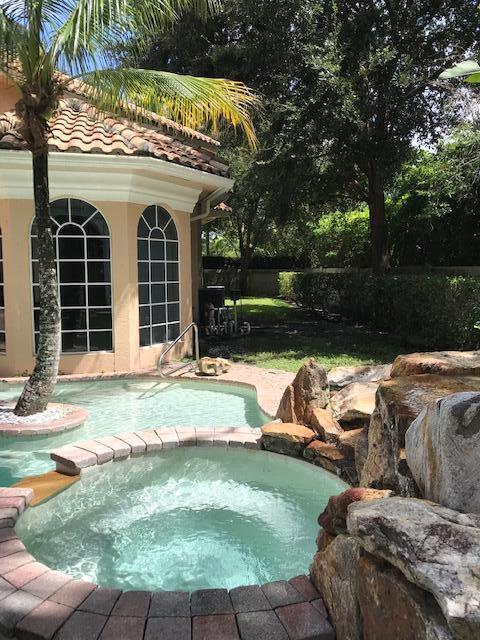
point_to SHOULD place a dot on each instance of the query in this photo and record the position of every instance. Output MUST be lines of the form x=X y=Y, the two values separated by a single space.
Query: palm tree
x=45 y=45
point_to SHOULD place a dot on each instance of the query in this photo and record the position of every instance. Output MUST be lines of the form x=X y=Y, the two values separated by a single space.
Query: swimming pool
x=120 y=405
x=184 y=519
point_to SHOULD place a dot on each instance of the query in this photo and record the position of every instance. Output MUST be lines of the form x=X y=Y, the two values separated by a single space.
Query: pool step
x=45 y=485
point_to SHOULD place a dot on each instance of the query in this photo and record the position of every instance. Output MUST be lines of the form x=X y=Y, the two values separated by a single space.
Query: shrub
x=428 y=311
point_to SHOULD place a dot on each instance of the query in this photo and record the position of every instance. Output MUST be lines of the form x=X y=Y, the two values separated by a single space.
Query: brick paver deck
x=73 y=459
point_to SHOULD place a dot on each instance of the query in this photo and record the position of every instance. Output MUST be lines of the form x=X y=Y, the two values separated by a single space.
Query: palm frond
x=92 y=25
x=461 y=70
x=188 y=100
x=10 y=38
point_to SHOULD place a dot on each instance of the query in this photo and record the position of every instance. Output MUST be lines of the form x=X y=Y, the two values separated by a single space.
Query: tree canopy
x=348 y=85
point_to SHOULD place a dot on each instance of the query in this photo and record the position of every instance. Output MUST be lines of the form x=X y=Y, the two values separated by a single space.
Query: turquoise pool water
x=126 y=405
x=185 y=519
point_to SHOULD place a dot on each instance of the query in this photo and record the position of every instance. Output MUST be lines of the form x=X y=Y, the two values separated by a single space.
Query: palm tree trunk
x=39 y=387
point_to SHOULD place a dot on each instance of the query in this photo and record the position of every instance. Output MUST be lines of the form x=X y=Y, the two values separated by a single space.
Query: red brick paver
x=219 y=627
x=304 y=622
x=43 y=621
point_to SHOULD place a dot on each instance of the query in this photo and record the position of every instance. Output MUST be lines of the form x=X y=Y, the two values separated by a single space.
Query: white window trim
x=165 y=262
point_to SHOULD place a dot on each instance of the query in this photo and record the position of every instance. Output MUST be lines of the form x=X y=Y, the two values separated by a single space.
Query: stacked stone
x=402 y=567
x=325 y=428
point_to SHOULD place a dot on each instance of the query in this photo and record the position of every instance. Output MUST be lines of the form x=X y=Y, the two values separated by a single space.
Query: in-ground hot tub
x=184 y=519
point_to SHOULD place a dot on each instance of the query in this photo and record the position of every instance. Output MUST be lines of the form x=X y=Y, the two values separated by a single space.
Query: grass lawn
x=283 y=336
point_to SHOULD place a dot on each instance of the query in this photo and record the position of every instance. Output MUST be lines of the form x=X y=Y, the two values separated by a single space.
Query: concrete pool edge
x=268 y=384
x=37 y=602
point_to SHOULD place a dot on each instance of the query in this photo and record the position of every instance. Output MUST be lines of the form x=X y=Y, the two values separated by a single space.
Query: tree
x=265 y=44
x=347 y=86
x=374 y=89
x=434 y=204
x=47 y=44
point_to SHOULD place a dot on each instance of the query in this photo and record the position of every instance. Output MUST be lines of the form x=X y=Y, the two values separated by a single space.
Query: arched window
x=158 y=277
x=82 y=248
x=2 y=300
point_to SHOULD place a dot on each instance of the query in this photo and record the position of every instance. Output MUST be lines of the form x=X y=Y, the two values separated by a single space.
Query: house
x=127 y=204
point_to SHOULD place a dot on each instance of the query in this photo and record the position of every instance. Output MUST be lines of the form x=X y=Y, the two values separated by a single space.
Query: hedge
x=428 y=311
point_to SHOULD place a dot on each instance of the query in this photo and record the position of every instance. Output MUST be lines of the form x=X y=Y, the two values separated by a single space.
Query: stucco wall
x=122 y=218
x=9 y=95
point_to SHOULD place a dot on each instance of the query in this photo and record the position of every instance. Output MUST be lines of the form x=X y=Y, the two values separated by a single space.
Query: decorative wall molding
x=110 y=178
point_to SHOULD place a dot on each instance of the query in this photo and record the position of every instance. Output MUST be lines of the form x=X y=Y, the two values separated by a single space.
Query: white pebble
x=50 y=414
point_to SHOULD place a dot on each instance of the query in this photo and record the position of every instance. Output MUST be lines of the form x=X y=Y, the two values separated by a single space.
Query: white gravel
x=50 y=414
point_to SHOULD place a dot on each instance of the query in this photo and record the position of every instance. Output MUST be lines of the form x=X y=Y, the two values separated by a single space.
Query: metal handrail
x=193 y=326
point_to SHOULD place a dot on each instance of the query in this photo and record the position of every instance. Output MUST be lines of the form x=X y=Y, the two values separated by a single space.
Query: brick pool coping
x=79 y=457
x=39 y=603
x=269 y=384
x=75 y=417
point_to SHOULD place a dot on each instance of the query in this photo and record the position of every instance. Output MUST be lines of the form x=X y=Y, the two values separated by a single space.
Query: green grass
x=283 y=336
x=266 y=310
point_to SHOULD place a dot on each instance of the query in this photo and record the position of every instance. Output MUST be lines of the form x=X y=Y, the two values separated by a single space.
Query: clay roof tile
x=78 y=127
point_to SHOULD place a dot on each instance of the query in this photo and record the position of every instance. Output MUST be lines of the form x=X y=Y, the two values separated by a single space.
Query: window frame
x=165 y=282
x=86 y=307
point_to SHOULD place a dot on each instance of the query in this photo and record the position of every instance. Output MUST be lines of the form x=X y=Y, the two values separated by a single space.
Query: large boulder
x=444 y=363
x=361 y=452
x=354 y=404
x=443 y=451
x=285 y=437
x=348 y=441
x=340 y=377
x=309 y=389
x=323 y=423
x=435 y=548
x=392 y=608
x=368 y=599
x=398 y=402
x=333 y=518
x=334 y=573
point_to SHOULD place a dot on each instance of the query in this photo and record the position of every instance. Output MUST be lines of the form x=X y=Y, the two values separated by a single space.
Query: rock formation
x=334 y=517
x=443 y=452
x=323 y=423
x=308 y=390
x=435 y=548
x=286 y=437
x=334 y=573
x=340 y=377
x=398 y=402
x=213 y=366
x=445 y=363
x=354 y=404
